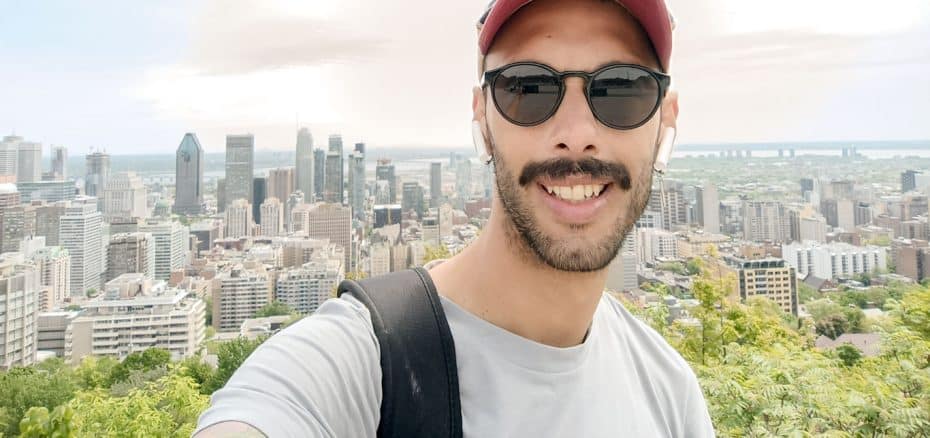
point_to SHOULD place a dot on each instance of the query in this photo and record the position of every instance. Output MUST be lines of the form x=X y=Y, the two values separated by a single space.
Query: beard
x=564 y=254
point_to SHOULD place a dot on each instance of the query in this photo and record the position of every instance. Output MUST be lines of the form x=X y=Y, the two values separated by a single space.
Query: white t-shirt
x=321 y=378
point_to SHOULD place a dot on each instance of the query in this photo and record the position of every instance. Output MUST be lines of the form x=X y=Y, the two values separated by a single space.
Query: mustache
x=557 y=168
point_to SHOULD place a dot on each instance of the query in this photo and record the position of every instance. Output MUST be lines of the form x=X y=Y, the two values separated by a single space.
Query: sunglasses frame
x=662 y=80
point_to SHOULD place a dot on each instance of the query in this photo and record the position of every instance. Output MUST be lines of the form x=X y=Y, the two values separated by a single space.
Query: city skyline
x=143 y=76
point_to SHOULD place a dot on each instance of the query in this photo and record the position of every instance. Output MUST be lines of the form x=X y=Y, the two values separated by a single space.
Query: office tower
x=171 y=241
x=136 y=314
x=59 y=170
x=654 y=244
x=9 y=155
x=240 y=167
x=463 y=182
x=272 y=223
x=333 y=222
x=239 y=292
x=304 y=165
x=188 y=176
x=207 y=231
x=834 y=260
x=295 y=199
x=435 y=184
x=766 y=221
x=770 y=278
x=29 y=162
x=413 y=198
x=807 y=185
x=319 y=176
x=51 y=191
x=812 y=228
x=846 y=214
x=124 y=198
x=446 y=217
x=48 y=221
x=385 y=172
x=357 y=192
x=221 y=194
x=54 y=266
x=81 y=233
x=16 y=223
x=19 y=299
x=708 y=208
x=130 y=253
x=239 y=219
x=621 y=275
x=280 y=183
x=862 y=213
x=430 y=227
x=911 y=258
x=97 y=173
x=306 y=287
x=671 y=203
x=334 y=181
x=379 y=258
x=261 y=193
x=300 y=220
x=387 y=215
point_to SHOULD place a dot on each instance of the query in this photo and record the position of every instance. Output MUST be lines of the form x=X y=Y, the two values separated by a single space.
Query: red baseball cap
x=653 y=16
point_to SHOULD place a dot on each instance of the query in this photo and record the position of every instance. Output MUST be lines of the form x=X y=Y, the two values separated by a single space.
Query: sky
x=134 y=76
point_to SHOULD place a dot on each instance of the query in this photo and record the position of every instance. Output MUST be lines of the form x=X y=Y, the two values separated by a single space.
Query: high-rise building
x=770 y=278
x=240 y=167
x=81 y=233
x=239 y=219
x=50 y=191
x=16 y=223
x=357 y=192
x=295 y=199
x=379 y=259
x=435 y=184
x=188 y=176
x=333 y=222
x=911 y=258
x=97 y=173
x=335 y=186
x=54 y=266
x=130 y=253
x=272 y=223
x=387 y=215
x=9 y=154
x=463 y=187
x=412 y=198
x=304 y=165
x=29 y=162
x=260 y=194
x=19 y=299
x=834 y=260
x=134 y=315
x=385 y=172
x=305 y=288
x=654 y=244
x=221 y=194
x=671 y=203
x=59 y=170
x=48 y=221
x=171 y=241
x=280 y=183
x=124 y=198
x=9 y=195
x=319 y=176
x=766 y=221
x=621 y=275
x=707 y=209
x=239 y=292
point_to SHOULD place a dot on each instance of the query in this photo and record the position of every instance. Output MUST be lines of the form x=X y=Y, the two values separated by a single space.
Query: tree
x=230 y=356
x=146 y=360
x=274 y=308
x=849 y=354
x=436 y=252
x=46 y=384
x=38 y=423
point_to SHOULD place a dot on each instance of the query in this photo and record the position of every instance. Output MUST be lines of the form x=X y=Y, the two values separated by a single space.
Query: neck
x=501 y=281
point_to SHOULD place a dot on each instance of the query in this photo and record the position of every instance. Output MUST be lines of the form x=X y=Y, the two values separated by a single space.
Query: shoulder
x=319 y=377
x=643 y=338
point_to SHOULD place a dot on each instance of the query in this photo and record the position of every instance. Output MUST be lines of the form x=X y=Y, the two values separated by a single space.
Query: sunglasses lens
x=624 y=97
x=526 y=94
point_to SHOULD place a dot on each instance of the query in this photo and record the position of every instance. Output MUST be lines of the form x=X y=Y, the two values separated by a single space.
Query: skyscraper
x=29 y=159
x=766 y=221
x=385 y=172
x=708 y=208
x=239 y=219
x=357 y=192
x=188 y=176
x=334 y=184
x=239 y=293
x=9 y=154
x=333 y=222
x=280 y=183
x=59 y=163
x=304 y=165
x=272 y=223
x=97 y=167
x=171 y=240
x=435 y=184
x=260 y=194
x=81 y=233
x=319 y=176
x=131 y=253
x=124 y=198
x=413 y=198
x=240 y=167
x=19 y=294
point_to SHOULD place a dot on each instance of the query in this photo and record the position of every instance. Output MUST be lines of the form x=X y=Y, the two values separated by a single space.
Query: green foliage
x=38 y=423
x=230 y=356
x=436 y=252
x=807 y=293
x=849 y=354
x=274 y=308
x=146 y=360
x=832 y=319
x=47 y=384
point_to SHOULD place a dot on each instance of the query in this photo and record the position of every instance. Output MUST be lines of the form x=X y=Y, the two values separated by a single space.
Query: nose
x=574 y=128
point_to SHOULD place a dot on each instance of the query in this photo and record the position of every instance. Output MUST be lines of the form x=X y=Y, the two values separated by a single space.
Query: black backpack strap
x=419 y=376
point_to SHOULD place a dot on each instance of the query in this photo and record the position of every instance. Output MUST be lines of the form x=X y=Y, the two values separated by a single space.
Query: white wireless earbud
x=481 y=147
x=665 y=150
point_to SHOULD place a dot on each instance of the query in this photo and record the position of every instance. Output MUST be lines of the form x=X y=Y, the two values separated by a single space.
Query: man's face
x=536 y=167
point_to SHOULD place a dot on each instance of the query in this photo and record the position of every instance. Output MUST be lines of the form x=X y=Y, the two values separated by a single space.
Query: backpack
x=420 y=390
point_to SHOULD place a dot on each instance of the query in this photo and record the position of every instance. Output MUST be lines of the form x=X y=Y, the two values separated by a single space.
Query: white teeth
x=576 y=193
x=598 y=189
x=588 y=191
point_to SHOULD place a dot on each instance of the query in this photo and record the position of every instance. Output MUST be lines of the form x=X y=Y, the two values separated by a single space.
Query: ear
x=478 y=106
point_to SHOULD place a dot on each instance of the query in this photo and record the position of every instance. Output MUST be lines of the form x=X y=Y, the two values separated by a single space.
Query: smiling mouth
x=576 y=193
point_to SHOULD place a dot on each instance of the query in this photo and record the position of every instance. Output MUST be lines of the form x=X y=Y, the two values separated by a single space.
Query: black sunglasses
x=621 y=96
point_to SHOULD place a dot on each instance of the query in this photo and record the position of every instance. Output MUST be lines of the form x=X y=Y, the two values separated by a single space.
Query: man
x=540 y=349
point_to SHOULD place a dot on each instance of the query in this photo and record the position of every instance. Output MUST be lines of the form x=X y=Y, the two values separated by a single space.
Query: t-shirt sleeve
x=697 y=419
x=320 y=377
